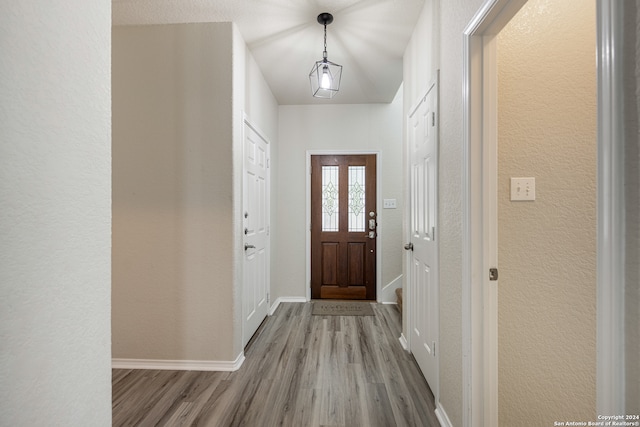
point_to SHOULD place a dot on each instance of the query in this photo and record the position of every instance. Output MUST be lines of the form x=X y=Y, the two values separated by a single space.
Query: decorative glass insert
x=330 y=198
x=356 y=198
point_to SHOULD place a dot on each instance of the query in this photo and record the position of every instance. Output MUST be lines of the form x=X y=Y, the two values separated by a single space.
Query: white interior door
x=256 y=197
x=423 y=272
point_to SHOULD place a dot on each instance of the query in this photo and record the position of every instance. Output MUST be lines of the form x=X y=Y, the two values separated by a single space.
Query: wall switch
x=523 y=189
x=389 y=203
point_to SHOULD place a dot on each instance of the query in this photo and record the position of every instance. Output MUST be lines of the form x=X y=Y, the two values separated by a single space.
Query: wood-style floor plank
x=300 y=370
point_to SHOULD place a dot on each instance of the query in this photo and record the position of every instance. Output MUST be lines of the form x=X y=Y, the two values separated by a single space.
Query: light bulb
x=325 y=82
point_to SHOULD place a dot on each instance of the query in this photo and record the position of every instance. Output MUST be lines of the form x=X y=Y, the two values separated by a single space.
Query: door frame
x=379 y=229
x=479 y=204
x=479 y=213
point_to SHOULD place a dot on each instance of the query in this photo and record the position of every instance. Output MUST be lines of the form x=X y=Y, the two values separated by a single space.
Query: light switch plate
x=523 y=189
x=389 y=204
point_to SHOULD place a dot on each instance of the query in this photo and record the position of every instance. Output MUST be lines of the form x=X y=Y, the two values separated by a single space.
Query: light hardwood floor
x=300 y=370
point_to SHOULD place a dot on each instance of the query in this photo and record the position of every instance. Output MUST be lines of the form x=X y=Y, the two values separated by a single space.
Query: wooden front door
x=343 y=226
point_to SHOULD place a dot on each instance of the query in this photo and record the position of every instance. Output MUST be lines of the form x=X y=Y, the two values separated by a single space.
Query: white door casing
x=423 y=294
x=479 y=210
x=612 y=254
x=255 y=204
x=380 y=228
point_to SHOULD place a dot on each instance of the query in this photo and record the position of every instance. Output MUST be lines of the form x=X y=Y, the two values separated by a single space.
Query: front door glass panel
x=357 y=198
x=330 y=198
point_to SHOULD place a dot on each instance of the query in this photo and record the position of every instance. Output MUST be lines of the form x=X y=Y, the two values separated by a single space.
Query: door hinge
x=493 y=274
x=433 y=233
x=268 y=163
x=434 y=348
x=268 y=230
x=433 y=118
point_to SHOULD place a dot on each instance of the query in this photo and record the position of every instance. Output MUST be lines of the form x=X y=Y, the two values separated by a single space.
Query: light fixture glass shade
x=325 y=79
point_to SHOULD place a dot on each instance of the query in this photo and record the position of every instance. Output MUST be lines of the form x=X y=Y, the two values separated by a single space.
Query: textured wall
x=335 y=127
x=172 y=192
x=55 y=213
x=547 y=252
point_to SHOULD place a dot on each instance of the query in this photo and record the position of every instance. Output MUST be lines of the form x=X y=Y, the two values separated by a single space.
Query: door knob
x=408 y=246
x=247 y=246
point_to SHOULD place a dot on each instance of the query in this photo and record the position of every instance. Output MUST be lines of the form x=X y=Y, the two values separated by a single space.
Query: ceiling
x=367 y=37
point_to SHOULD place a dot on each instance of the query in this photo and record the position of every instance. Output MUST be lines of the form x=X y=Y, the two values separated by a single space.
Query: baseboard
x=441 y=415
x=277 y=302
x=179 y=365
x=403 y=342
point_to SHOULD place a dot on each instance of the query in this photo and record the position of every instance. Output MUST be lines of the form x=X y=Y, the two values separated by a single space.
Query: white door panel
x=255 y=304
x=423 y=280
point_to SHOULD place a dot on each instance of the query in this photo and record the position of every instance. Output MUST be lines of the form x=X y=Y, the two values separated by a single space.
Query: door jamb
x=379 y=229
x=479 y=210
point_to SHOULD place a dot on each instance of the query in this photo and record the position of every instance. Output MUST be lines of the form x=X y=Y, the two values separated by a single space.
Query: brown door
x=343 y=227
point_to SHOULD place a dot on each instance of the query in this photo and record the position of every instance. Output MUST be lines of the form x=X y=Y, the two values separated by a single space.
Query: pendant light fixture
x=325 y=75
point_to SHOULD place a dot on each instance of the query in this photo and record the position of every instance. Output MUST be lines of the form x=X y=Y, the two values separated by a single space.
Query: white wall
x=172 y=192
x=179 y=92
x=55 y=213
x=376 y=127
x=421 y=57
x=547 y=248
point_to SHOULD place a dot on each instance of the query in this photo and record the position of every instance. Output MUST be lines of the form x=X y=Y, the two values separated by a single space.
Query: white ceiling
x=367 y=37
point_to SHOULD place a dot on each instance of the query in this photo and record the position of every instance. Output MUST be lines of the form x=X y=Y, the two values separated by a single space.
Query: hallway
x=300 y=370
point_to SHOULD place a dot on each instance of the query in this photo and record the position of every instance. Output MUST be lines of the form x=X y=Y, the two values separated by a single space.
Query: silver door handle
x=247 y=246
x=408 y=246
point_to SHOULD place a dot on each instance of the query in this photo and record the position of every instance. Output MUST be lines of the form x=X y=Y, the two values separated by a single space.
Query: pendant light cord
x=324 y=54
